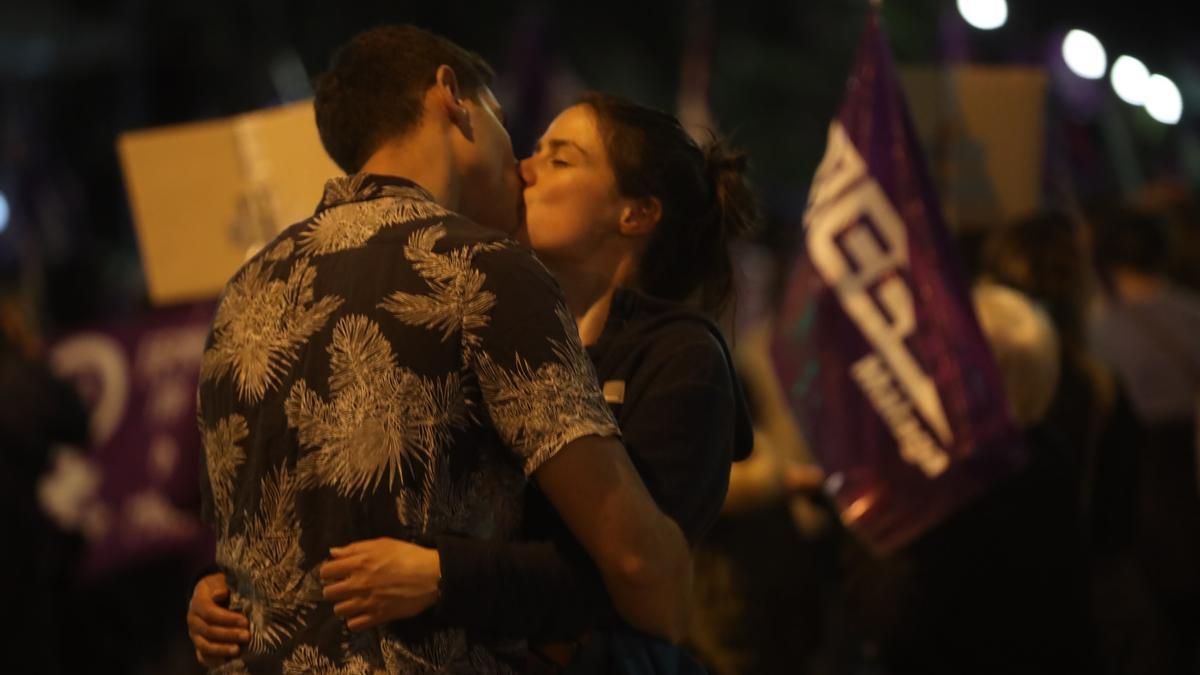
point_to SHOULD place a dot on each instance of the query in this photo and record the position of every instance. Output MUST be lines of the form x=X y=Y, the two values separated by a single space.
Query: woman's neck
x=589 y=293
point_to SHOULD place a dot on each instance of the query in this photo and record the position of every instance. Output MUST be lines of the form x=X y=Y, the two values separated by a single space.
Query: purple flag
x=134 y=493
x=877 y=346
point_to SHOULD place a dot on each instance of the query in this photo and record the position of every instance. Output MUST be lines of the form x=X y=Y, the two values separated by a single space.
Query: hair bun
x=732 y=196
x=721 y=158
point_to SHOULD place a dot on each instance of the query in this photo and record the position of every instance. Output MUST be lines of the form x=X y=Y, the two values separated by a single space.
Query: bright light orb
x=984 y=14
x=1084 y=55
x=1130 y=79
x=1163 y=101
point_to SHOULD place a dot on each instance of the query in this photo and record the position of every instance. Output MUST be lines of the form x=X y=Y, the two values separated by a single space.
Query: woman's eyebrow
x=559 y=143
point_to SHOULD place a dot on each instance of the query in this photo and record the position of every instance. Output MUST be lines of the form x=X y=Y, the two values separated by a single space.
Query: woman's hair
x=705 y=199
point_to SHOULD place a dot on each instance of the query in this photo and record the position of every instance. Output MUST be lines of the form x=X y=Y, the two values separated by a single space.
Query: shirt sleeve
x=536 y=381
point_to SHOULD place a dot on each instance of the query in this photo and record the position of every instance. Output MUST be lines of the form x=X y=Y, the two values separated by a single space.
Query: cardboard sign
x=982 y=129
x=207 y=195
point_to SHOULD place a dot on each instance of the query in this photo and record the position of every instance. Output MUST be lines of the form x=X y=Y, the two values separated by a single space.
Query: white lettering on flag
x=858 y=244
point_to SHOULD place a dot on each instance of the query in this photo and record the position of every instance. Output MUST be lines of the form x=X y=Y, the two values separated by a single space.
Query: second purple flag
x=877 y=346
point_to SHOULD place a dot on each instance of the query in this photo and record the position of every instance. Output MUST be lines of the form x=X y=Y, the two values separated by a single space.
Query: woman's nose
x=525 y=166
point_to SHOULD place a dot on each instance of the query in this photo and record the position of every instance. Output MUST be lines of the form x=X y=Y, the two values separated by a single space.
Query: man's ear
x=448 y=97
x=640 y=216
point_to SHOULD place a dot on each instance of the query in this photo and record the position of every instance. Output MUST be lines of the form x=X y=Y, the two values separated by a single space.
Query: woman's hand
x=215 y=631
x=376 y=581
x=800 y=478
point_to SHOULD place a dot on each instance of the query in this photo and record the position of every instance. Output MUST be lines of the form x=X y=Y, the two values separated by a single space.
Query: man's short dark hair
x=375 y=86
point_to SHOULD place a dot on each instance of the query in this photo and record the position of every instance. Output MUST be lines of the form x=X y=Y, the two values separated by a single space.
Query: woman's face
x=571 y=199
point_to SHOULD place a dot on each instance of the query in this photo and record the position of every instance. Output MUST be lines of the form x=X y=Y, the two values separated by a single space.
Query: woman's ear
x=640 y=216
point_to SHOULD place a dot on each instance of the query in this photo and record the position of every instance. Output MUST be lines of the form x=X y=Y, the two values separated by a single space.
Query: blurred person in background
x=1047 y=256
x=1177 y=205
x=1148 y=331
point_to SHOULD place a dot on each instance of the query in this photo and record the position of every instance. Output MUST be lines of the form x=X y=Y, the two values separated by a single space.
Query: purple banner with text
x=134 y=493
x=877 y=345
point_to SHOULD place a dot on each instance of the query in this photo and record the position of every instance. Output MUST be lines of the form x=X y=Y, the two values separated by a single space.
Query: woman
x=634 y=219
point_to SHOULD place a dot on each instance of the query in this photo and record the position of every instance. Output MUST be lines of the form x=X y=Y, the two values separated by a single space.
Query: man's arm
x=681 y=424
x=640 y=552
x=540 y=391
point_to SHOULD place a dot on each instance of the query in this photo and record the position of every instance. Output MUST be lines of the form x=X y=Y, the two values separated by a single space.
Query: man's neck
x=424 y=157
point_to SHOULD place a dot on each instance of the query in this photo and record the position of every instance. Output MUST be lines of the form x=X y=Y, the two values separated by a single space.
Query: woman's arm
x=515 y=589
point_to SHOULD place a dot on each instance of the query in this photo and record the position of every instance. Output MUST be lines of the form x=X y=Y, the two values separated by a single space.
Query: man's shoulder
x=461 y=230
x=490 y=251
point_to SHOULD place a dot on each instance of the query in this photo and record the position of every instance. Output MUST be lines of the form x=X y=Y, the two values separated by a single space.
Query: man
x=389 y=370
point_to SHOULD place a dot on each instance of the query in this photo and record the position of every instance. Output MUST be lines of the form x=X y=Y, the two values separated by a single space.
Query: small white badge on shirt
x=614 y=391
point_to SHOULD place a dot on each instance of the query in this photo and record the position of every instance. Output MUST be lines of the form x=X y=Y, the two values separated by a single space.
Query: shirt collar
x=364 y=186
